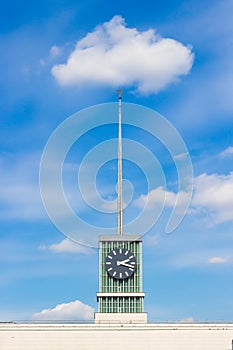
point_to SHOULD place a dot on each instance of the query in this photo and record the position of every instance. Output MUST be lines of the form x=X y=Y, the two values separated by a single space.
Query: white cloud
x=74 y=310
x=55 y=51
x=217 y=260
x=199 y=256
x=159 y=195
x=119 y=56
x=228 y=152
x=181 y=156
x=213 y=197
x=68 y=246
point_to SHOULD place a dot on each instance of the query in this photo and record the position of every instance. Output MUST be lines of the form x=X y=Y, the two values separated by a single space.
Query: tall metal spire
x=119 y=184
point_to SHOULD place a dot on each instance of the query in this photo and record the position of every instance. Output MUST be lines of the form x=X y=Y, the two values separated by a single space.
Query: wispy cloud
x=198 y=256
x=19 y=191
x=55 y=51
x=151 y=241
x=227 y=153
x=217 y=260
x=213 y=197
x=68 y=246
x=116 y=55
x=75 y=310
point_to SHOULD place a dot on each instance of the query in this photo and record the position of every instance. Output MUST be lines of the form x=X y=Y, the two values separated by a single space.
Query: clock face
x=120 y=263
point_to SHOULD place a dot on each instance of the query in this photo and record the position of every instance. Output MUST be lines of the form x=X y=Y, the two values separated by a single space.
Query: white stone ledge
x=174 y=336
x=122 y=318
x=87 y=326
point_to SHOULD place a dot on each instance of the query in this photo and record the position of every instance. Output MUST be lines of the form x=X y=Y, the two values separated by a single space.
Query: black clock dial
x=120 y=263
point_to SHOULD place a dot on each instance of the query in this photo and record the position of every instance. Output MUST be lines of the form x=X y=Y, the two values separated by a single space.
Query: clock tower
x=120 y=297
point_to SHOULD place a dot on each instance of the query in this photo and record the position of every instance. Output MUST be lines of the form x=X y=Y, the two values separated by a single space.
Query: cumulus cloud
x=213 y=196
x=228 y=152
x=119 y=56
x=68 y=246
x=75 y=310
x=159 y=195
x=217 y=260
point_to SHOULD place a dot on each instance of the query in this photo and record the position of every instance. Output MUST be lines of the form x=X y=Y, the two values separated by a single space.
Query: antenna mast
x=119 y=203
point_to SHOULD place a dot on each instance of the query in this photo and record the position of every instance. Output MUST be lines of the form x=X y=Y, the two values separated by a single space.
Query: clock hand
x=128 y=265
x=124 y=261
x=124 y=264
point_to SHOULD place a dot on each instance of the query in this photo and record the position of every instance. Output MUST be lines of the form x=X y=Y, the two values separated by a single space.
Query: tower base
x=101 y=317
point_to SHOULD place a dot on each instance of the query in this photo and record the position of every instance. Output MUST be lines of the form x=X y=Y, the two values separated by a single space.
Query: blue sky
x=184 y=72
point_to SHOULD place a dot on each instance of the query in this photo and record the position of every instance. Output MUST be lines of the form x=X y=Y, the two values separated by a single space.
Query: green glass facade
x=120 y=304
x=112 y=301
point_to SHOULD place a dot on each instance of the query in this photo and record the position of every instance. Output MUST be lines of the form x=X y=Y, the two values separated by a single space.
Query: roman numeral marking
x=109 y=256
x=110 y=269
x=126 y=273
x=131 y=269
x=108 y=263
x=114 y=273
x=120 y=251
x=114 y=252
x=131 y=257
x=120 y=275
x=127 y=252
